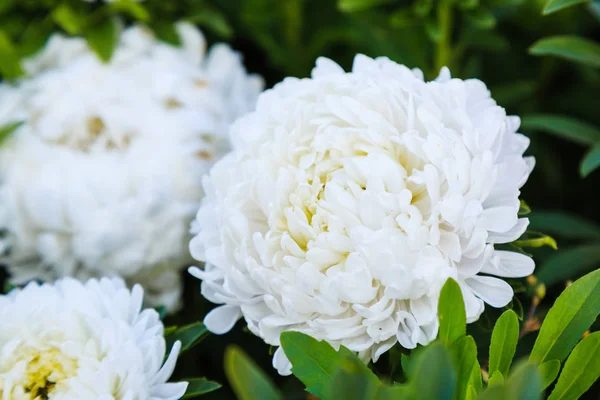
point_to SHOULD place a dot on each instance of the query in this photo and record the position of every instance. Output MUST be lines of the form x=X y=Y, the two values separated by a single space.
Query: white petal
x=493 y=291
x=221 y=319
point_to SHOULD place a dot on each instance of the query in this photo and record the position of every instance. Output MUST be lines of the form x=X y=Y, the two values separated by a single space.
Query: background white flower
x=350 y=198
x=104 y=176
x=70 y=340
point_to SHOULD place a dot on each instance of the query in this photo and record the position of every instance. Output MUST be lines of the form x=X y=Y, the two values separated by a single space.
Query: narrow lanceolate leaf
x=581 y=370
x=572 y=48
x=525 y=382
x=313 y=362
x=435 y=375
x=451 y=313
x=549 y=371
x=590 y=162
x=566 y=127
x=9 y=64
x=189 y=335
x=103 y=38
x=464 y=354
x=248 y=381
x=199 y=386
x=359 y=5
x=504 y=343
x=532 y=239
x=565 y=225
x=569 y=263
x=496 y=379
x=571 y=315
x=555 y=5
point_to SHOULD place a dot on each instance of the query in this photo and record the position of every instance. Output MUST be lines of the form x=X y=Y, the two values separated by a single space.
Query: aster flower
x=350 y=198
x=104 y=175
x=70 y=340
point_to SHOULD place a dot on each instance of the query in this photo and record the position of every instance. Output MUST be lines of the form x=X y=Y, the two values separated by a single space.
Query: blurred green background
x=544 y=68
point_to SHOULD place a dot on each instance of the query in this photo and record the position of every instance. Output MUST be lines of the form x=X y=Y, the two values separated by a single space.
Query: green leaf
x=524 y=382
x=581 y=369
x=572 y=48
x=354 y=381
x=566 y=264
x=359 y=5
x=131 y=8
x=9 y=66
x=397 y=392
x=571 y=315
x=199 y=386
x=568 y=226
x=167 y=33
x=504 y=343
x=471 y=393
x=247 y=380
x=549 y=372
x=481 y=18
x=564 y=127
x=408 y=365
x=169 y=330
x=496 y=378
x=68 y=19
x=189 y=336
x=494 y=392
x=103 y=38
x=464 y=352
x=533 y=239
x=313 y=362
x=8 y=129
x=524 y=208
x=213 y=20
x=423 y=7
x=555 y=5
x=451 y=313
x=435 y=376
x=590 y=162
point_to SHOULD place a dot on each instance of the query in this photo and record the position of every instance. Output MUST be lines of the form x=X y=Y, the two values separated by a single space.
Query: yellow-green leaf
x=247 y=380
x=581 y=370
x=565 y=127
x=504 y=343
x=549 y=372
x=451 y=313
x=464 y=352
x=103 y=38
x=571 y=315
x=199 y=386
x=435 y=375
x=591 y=161
x=555 y=5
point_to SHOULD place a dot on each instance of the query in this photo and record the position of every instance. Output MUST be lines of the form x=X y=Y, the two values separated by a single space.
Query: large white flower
x=75 y=341
x=350 y=198
x=104 y=176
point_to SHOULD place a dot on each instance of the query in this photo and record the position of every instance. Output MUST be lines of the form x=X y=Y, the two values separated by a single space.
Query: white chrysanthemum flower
x=104 y=176
x=350 y=198
x=75 y=341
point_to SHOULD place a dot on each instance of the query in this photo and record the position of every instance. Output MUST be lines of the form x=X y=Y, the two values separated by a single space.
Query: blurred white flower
x=350 y=198
x=104 y=176
x=75 y=341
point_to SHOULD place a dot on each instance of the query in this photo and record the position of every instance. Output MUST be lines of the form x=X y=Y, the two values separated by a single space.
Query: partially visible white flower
x=350 y=198
x=75 y=341
x=104 y=176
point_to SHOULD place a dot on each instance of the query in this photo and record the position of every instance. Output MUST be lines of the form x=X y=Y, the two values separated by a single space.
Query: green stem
x=444 y=45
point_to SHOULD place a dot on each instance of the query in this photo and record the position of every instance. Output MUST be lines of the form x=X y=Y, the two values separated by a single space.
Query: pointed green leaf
x=435 y=375
x=354 y=381
x=397 y=392
x=590 y=162
x=565 y=127
x=464 y=352
x=199 y=386
x=568 y=226
x=313 y=362
x=6 y=130
x=572 y=48
x=189 y=336
x=571 y=315
x=451 y=313
x=408 y=365
x=549 y=372
x=496 y=378
x=494 y=392
x=103 y=38
x=471 y=393
x=581 y=370
x=504 y=343
x=131 y=8
x=569 y=263
x=524 y=208
x=247 y=380
x=555 y=5
x=531 y=239
x=359 y=5
x=68 y=19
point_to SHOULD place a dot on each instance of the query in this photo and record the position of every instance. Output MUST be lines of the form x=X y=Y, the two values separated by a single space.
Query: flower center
x=36 y=374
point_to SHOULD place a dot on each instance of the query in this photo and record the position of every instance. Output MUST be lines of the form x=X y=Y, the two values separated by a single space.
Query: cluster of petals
x=74 y=341
x=104 y=175
x=351 y=197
